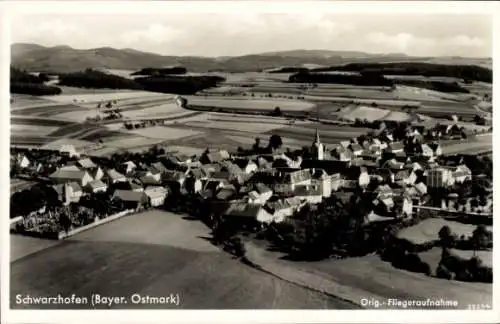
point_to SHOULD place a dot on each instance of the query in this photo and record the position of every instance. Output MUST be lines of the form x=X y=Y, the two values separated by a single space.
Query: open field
x=427 y=230
x=333 y=135
x=131 y=142
x=155 y=253
x=25 y=101
x=89 y=96
x=165 y=133
x=249 y=103
x=20 y=129
x=369 y=275
x=48 y=110
x=480 y=144
x=240 y=123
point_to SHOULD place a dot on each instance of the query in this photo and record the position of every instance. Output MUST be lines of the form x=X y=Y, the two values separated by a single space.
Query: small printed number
x=478 y=306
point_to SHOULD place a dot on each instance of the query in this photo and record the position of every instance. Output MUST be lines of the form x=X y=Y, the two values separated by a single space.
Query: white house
x=97 y=186
x=323 y=180
x=156 y=195
x=336 y=181
x=461 y=173
x=128 y=167
x=69 y=174
x=364 y=178
x=313 y=194
x=427 y=151
x=72 y=192
x=69 y=150
x=114 y=176
x=407 y=206
x=22 y=161
x=246 y=165
x=284 y=208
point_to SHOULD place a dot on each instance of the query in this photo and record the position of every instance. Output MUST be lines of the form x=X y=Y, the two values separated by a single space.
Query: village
x=266 y=184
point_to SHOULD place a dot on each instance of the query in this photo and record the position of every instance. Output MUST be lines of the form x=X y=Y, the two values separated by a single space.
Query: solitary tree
x=275 y=142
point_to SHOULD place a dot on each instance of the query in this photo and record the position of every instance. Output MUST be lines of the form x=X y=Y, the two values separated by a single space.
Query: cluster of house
x=270 y=187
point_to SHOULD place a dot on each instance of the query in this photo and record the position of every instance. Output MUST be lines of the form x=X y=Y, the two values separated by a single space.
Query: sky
x=230 y=34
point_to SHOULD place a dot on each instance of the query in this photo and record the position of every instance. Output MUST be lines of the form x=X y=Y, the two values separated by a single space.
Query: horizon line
x=252 y=53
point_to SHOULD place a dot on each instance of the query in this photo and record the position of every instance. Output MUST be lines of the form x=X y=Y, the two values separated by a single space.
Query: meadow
x=249 y=103
x=427 y=230
x=153 y=253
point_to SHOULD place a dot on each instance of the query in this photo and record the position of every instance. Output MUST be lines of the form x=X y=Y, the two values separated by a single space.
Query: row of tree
x=370 y=78
x=465 y=72
x=161 y=71
x=22 y=82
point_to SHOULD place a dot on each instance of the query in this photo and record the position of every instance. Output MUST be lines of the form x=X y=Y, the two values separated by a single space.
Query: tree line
x=161 y=71
x=157 y=83
x=22 y=82
x=465 y=72
x=374 y=78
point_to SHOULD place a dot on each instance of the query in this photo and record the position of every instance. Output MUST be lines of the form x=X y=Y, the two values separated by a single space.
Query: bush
x=443 y=272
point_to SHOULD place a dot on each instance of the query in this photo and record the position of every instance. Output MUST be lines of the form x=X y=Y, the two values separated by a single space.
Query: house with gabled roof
x=113 y=176
x=156 y=195
x=96 y=173
x=149 y=180
x=393 y=164
x=283 y=208
x=356 y=149
x=313 y=194
x=461 y=173
x=70 y=174
x=226 y=194
x=197 y=173
x=247 y=215
x=260 y=194
x=131 y=199
x=22 y=161
x=179 y=158
x=86 y=163
x=175 y=179
x=215 y=157
x=343 y=154
x=72 y=192
x=395 y=147
x=128 y=167
x=157 y=168
x=97 y=186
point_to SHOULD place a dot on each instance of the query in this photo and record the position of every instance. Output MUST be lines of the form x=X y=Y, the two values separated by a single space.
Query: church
x=320 y=158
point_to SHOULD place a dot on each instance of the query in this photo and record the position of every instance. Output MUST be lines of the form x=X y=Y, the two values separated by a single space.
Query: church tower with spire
x=318 y=149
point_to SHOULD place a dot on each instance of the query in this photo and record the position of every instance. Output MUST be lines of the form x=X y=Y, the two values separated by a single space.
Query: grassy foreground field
x=153 y=253
x=362 y=277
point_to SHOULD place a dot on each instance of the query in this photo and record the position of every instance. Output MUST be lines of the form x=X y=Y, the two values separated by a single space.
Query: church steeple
x=318 y=149
x=317 y=140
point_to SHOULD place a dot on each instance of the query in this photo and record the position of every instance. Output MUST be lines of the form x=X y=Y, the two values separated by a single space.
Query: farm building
x=131 y=199
x=72 y=192
x=69 y=174
x=156 y=195
x=242 y=214
x=114 y=176
x=97 y=186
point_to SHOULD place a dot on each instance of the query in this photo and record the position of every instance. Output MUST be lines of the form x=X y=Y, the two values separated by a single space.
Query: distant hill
x=33 y=57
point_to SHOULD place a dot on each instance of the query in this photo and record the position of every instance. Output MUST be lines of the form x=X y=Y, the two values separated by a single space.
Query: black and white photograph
x=249 y=156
